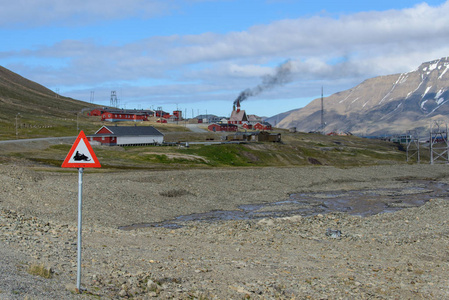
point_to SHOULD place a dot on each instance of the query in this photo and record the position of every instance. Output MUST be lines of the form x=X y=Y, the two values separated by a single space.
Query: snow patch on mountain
x=391 y=112
x=438 y=97
x=445 y=70
x=423 y=105
x=341 y=101
x=442 y=103
x=427 y=90
x=401 y=79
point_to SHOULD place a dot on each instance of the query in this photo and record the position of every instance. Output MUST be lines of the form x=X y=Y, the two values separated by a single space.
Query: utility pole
x=17 y=126
x=322 y=112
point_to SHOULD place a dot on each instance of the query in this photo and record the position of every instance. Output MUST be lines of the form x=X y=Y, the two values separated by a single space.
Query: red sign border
x=66 y=163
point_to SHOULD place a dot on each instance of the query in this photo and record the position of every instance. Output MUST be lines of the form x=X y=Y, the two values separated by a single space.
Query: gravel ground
x=394 y=255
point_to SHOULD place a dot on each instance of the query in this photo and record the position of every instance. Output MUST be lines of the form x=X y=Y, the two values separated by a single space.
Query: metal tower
x=412 y=139
x=114 y=101
x=439 y=145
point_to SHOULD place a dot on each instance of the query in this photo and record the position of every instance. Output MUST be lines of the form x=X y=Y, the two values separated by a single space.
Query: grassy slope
x=299 y=149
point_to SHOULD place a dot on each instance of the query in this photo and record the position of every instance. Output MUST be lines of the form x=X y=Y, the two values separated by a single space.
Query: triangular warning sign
x=81 y=155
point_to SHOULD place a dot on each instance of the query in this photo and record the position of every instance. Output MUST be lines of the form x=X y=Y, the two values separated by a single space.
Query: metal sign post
x=80 y=205
x=80 y=156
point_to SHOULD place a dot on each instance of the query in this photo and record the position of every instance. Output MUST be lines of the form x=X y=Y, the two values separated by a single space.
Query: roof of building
x=209 y=116
x=254 y=118
x=130 y=131
x=238 y=115
x=123 y=111
x=264 y=123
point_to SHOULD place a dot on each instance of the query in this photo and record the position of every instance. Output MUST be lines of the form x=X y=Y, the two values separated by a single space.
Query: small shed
x=269 y=137
x=126 y=136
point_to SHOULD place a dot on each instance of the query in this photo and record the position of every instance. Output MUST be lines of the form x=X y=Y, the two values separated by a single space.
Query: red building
x=222 y=127
x=97 y=112
x=177 y=114
x=238 y=116
x=121 y=116
x=116 y=115
x=262 y=126
x=247 y=126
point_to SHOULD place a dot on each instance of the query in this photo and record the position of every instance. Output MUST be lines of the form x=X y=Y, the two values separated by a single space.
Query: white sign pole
x=80 y=156
x=80 y=201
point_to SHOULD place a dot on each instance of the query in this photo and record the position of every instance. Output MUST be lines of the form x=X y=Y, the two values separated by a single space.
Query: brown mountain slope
x=32 y=105
x=382 y=105
x=20 y=95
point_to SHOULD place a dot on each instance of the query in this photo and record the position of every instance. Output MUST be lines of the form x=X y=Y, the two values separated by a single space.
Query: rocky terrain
x=401 y=255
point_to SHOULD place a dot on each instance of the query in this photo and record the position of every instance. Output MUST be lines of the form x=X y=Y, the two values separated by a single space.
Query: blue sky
x=199 y=55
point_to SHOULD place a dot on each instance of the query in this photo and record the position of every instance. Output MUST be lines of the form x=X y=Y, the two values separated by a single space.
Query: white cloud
x=69 y=12
x=344 y=50
x=32 y=13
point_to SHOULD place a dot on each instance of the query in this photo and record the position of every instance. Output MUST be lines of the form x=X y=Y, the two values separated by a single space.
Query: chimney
x=238 y=105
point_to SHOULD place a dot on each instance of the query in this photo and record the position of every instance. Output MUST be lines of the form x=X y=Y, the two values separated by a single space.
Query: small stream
x=360 y=202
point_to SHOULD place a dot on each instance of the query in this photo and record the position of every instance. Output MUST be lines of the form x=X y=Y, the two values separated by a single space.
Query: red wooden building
x=120 y=116
x=262 y=126
x=116 y=115
x=222 y=127
x=238 y=116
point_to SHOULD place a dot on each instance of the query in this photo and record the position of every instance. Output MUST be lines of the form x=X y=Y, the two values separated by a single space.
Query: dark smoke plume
x=282 y=76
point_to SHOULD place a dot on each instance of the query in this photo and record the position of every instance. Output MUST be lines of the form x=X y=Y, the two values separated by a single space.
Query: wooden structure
x=262 y=126
x=222 y=127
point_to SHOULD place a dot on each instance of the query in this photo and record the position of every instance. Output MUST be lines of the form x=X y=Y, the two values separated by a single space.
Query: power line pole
x=322 y=112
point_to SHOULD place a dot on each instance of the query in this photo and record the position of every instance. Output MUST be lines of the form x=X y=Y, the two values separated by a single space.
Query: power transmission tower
x=114 y=101
x=412 y=139
x=439 y=146
x=92 y=96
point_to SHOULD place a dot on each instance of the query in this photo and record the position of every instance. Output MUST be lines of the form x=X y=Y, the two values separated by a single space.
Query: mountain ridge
x=389 y=104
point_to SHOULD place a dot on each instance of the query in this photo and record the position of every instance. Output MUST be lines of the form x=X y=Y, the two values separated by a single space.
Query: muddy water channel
x=357 y=202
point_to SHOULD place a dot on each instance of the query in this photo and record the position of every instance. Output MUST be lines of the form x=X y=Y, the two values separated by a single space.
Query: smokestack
x=238 y=105
x=282 y=76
